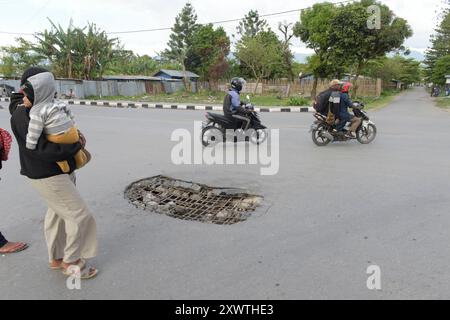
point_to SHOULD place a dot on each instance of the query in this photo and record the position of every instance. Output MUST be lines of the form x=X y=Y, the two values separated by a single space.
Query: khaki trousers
x=70 y=229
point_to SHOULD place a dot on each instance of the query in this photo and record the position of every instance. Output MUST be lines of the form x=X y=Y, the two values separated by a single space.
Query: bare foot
x=56 y=264
x=13 y=247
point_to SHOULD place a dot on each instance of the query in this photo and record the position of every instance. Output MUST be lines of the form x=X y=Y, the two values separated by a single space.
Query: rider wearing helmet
x=344 y=115
x=232 y=105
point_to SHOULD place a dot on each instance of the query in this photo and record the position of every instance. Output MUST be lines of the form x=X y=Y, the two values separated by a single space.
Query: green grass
x=207 y=97
x=216 y=98
x=443 y=102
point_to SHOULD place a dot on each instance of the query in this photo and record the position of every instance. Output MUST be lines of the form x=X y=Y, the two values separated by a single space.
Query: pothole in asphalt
x=192 y=201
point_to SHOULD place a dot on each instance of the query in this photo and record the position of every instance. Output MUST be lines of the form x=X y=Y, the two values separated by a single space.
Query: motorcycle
x=324 y=133
x=218 y=128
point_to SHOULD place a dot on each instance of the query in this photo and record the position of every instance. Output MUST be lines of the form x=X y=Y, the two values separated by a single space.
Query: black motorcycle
x=219 y=128
x=324 y=133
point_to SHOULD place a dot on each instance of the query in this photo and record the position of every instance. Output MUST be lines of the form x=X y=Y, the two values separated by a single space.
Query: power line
x=169 y=28
x=17 y=33
x=223 y=21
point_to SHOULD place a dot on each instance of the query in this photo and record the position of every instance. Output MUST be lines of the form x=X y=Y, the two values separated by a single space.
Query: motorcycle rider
x=322 y=100
x=232 y=105
x=344 y=115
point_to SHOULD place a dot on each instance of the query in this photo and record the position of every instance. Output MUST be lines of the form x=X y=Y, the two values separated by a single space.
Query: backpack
x=321 y=101
x=5 y=144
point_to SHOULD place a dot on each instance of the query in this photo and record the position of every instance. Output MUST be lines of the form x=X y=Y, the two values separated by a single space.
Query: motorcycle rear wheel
x=212 y=135
x=319 y=139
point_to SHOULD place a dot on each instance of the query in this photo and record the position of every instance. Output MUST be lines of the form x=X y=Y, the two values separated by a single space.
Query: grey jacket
x=46 y=115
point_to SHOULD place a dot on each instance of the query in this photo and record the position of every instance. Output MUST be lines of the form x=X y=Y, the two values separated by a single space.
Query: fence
x=366 y=87
x=84 y=88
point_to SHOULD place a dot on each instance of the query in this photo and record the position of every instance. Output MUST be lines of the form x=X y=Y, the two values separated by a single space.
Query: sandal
x=14 y=247
x=80 y=270
x=52 y=267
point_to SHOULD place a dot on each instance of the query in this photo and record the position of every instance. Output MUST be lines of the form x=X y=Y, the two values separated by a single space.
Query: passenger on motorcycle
x=323 y=103
x=344 y=115
x=232 y=105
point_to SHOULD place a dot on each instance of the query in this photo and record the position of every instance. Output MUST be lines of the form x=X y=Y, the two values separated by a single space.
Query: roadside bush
x=298 y=101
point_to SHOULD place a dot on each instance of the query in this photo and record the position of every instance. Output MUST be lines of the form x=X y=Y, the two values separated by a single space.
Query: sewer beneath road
x=192 y=201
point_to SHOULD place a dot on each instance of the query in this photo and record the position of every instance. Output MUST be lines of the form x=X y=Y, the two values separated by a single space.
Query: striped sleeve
x=71 y=115
x=35 y=129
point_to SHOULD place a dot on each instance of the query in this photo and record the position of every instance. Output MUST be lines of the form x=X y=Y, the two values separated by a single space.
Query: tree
x=355 y=42
x=75 y=52
x=286 y=29
x=7 y=67
x=440 y=44
x=262 y=54
x=298 y=68
x=440 y=70
x=394 y=68
x=384 y=68
x=251 y=25
x=410 y=71
x=234 y=68
x=128 y=63
x=57 y=45
x=314 y=29
x=16 y=59
x=96 y=51
x=180 y=42
x=208 y=52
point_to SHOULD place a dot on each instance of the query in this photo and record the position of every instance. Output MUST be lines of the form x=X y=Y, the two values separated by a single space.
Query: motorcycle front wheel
x=258 y=136
x=366 y=135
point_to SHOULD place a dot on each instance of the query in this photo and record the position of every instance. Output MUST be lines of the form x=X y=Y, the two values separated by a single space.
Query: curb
x=136 y=105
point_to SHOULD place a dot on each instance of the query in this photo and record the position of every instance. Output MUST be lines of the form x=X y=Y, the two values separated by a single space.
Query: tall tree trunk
x=186 y=80
x=314 y=88
x=69 y=66
x=258 y=80
x=355 y=80
x=70 y=74
x=289 y=65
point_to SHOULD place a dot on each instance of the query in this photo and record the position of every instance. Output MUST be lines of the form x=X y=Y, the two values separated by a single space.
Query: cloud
x=119 y=15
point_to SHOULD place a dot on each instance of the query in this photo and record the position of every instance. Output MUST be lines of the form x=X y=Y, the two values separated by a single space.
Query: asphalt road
x=328 y=214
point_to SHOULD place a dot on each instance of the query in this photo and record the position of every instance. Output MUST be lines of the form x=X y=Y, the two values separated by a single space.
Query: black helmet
x=237 y=83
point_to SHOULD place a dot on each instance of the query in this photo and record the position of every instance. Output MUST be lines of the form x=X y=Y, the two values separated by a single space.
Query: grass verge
x=216 y=98
x=212 y=98
x=443 y=102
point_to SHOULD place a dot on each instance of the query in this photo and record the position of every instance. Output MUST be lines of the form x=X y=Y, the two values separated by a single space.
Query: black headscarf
x=17 y=98
x=32 y=71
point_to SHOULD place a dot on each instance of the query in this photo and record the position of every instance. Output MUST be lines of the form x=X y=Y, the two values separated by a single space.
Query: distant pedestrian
x=7 y=247
x=437 y=92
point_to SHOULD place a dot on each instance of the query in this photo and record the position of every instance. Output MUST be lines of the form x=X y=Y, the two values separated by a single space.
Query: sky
x=30 y=16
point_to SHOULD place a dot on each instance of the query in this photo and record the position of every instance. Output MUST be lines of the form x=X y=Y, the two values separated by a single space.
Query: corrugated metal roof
x=177 y=74
x=120 y=77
